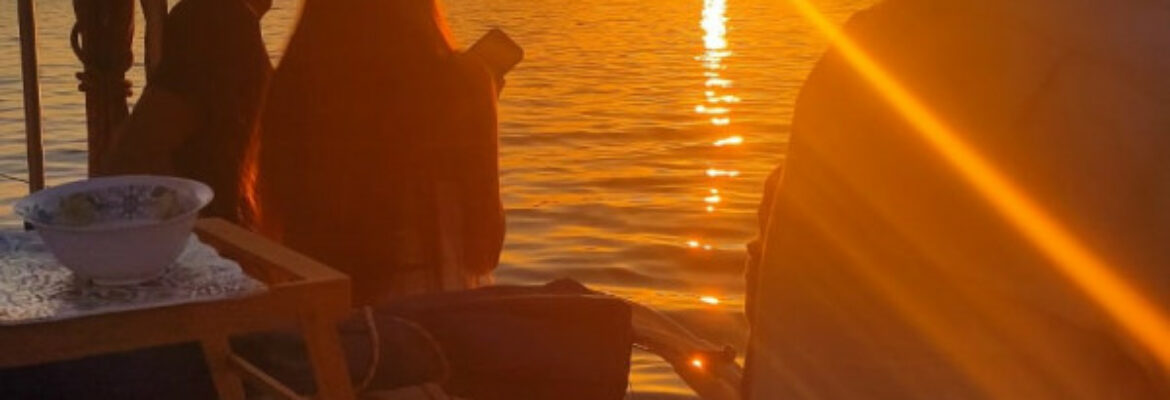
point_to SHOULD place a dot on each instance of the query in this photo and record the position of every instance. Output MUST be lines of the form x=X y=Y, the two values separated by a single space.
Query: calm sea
x=635 y=139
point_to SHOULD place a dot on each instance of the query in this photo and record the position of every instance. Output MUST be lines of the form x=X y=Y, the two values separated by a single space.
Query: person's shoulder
x=210 y=15
x=904 y=14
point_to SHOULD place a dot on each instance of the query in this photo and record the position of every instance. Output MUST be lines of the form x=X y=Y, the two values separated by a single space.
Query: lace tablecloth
x=34 y=287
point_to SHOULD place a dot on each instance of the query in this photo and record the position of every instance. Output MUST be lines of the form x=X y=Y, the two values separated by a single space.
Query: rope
x=376 y=348
x=13 y=178
x=86 y=80
x=444 y=364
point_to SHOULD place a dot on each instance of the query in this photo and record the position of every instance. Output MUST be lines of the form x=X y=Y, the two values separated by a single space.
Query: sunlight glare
x=702 y=109
x=729 y=141
x=697 y=363
x=718 y=83
x=715 y=173
x=714 y=24
x=1078 y=263
x=722 y=99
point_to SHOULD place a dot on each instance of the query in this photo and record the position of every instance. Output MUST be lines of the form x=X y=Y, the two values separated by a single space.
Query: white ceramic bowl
x=117 y=230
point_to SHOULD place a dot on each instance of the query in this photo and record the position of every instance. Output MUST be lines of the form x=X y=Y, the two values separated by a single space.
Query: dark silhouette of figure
x=195 y=119
x=378 y=154
x=883 y=274
x=198 y=115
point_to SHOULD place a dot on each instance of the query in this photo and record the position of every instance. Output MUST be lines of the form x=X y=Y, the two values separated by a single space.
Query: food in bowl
x=120 y=229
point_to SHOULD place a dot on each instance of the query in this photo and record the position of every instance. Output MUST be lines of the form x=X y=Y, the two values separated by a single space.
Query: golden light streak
x=715 y=173
x=712 y=300
x=702 y=109
x=729 y=141
x=695 y=244
x=713 y=24
x=1079 y=264
x=716 y=107
x=711 y=98
x=713 y=61
x=718 y=82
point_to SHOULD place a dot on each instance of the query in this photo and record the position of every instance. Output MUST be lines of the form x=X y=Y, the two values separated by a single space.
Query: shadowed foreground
x=889 y=271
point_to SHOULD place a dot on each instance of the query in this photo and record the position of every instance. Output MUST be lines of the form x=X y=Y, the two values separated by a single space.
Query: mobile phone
x=498 y=51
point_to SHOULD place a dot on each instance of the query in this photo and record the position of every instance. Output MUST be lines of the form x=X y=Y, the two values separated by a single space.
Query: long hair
x=358 y=110
x=223 y=72
x=348 y=48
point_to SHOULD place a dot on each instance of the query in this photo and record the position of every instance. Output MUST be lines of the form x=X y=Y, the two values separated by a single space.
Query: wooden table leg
x=217 y=351
x=329 y=365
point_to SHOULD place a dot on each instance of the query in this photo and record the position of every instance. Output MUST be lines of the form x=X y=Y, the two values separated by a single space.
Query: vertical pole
x=155 y=14
x=329 y=366
x=104 y=31
x=218 y=354
x=32 y=94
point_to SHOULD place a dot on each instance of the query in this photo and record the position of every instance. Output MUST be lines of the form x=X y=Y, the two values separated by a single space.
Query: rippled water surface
x=635 y=139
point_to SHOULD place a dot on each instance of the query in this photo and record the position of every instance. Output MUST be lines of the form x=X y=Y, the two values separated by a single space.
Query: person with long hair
x=378 y=152
x=197 y=116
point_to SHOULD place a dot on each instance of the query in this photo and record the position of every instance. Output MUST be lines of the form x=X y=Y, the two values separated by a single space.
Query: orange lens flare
x=1079 y=264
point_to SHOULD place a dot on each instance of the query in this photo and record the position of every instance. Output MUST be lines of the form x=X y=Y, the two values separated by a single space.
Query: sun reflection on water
x=712 y=172
x=715 y=109
x=727 y=141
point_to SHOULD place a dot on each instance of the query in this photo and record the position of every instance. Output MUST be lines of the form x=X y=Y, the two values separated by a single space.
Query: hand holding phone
x=497 y=50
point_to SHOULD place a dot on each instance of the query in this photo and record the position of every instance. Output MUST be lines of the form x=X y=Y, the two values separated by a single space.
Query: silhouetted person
x=378 y=154
x=195 y=120
x=198 y=115
x=883 y=274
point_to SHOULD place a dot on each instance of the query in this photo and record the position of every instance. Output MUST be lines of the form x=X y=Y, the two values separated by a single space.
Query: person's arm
x=496 y=52
x=475 y=66
x=475 y=143
x=755 y=246
x=146 y=142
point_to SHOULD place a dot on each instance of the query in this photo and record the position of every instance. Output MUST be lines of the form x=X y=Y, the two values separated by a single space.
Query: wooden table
x=301 y=293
